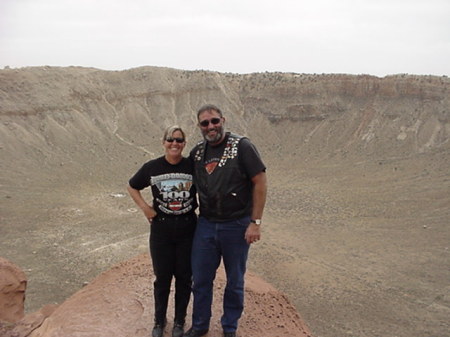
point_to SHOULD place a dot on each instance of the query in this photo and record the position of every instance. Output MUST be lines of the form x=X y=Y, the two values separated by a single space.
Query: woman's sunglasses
x=206 y=122
x=178 y=140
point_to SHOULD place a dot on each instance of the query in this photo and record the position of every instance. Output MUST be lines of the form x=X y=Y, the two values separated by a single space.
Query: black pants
x=170 y=249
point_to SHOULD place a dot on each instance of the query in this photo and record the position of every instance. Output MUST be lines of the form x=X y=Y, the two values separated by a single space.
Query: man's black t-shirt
x=172 y=186
x=249 y=157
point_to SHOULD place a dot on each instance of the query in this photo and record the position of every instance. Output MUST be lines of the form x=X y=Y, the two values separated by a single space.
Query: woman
x=172 y=217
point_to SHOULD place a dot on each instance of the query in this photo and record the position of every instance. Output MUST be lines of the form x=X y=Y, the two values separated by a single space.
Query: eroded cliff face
x=56 y=109
x=360 y=115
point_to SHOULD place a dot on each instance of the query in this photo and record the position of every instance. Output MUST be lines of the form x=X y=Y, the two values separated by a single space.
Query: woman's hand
x=149 y=212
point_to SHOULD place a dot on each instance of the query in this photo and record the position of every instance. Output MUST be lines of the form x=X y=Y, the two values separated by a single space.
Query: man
x=231 y=183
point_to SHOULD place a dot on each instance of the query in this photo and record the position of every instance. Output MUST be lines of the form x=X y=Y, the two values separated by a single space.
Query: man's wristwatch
x=257 y=222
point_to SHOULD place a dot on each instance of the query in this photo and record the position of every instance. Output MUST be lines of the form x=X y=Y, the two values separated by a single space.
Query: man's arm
x=259 y=181
x=259 y=194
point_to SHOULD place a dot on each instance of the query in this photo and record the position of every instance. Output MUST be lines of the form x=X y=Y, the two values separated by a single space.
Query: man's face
x=211 y=126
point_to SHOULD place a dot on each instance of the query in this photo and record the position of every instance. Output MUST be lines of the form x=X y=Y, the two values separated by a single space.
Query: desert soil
x=357 y=257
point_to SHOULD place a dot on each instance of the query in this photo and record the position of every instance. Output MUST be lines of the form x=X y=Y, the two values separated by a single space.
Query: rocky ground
x=119 y=302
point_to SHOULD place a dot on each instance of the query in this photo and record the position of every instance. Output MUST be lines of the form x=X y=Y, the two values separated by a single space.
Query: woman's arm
x=136 y=195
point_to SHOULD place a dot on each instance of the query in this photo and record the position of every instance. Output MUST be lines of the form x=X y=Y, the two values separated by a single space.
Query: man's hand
x=253 y=233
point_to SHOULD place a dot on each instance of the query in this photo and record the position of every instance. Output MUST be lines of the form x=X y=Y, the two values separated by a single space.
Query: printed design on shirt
x=174 y=192
x=211 y=164
x=230 y=152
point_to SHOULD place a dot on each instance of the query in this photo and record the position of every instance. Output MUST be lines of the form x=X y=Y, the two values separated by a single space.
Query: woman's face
x=174 y=144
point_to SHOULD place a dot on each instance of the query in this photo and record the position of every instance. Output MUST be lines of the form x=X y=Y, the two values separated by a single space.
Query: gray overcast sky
x=376 y=37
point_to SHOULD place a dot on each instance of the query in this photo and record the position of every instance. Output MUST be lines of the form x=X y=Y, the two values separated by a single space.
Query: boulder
x=119 y=302
x=13 y=283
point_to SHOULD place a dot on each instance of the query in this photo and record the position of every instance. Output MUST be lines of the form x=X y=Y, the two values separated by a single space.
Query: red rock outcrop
x=13 y=284
x=28 y=324
x=119 y=302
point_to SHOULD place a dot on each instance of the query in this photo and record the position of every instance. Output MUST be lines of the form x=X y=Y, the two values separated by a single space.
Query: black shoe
x=229 y=334
x=177 y=330
x=158 y=330
x=195 y=333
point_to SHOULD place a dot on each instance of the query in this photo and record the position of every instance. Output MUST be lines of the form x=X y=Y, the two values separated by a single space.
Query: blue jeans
x=214 y=241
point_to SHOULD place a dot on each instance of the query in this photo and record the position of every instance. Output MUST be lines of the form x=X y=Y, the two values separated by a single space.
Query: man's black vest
x=226 y=193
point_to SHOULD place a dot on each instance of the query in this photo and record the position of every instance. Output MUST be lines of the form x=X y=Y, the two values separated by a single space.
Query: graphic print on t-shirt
x=211 y=164
x=174 y=195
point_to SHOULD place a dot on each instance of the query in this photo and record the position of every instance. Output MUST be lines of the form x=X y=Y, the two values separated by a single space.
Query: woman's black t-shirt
x=172 y=186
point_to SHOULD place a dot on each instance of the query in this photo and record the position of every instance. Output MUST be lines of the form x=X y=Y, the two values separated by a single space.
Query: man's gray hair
x=209 y=107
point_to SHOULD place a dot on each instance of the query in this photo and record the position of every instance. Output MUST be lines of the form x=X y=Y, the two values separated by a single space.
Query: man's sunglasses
x=206 y=122
x=178 y=140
